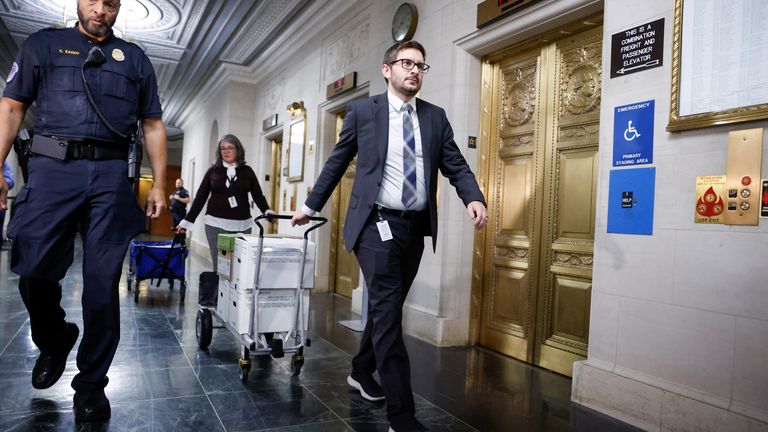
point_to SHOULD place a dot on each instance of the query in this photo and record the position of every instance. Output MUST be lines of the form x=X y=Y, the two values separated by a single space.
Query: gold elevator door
x=542 y=175
x=344 y=269
x=275 y=175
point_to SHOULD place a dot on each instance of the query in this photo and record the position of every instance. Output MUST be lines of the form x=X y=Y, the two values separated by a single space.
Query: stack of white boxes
x=278 y=280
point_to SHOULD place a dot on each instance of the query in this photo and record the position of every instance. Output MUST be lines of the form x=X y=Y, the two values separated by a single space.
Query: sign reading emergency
x=710 y=199
x=633 y=134
x=637 y=49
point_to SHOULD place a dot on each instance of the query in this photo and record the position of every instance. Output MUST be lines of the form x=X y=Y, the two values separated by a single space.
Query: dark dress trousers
x=389 y=267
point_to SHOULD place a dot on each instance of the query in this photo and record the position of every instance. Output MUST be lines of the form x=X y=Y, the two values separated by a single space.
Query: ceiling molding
x=195 y=45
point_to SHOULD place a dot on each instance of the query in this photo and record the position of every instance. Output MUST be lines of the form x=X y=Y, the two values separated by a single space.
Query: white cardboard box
x=224 y=264
x=280 y=263
x=275 y=311
x=239 y=310
x=222 y=302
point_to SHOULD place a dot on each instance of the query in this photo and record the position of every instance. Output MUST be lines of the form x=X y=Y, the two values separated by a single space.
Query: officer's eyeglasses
x=227 y=149
x=408 y=65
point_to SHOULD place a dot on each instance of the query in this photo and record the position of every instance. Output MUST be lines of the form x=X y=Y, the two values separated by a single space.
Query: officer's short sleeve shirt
x=47 y=74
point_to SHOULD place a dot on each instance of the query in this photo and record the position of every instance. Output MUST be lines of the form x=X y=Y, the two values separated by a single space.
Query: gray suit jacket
x=365 y=133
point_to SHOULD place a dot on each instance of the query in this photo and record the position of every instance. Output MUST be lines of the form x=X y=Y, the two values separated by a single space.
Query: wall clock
x=404 y=22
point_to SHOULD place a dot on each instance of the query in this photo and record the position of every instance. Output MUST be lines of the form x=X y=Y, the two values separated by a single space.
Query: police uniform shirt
x=47 y=72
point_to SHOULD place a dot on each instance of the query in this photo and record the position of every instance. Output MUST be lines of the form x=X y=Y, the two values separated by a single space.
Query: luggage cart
x=255 y=343
x=158 y=260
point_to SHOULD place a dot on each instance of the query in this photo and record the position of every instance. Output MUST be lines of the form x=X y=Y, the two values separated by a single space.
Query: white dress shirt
x=391 y=192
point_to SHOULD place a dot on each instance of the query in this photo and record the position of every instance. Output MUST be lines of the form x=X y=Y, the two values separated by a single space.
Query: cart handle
x=321 y=221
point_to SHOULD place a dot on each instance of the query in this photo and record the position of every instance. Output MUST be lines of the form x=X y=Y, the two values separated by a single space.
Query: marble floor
x=161 y=381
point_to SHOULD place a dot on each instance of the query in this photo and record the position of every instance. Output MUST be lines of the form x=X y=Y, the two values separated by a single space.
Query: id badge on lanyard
x=232 y=202
x=384 y=231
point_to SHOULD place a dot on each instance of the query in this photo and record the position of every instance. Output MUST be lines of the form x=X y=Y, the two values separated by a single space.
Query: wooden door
x=161 y=226
x=344 y=268
x=275 y=177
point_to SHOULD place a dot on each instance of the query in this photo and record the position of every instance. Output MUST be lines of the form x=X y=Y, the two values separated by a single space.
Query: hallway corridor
x=161 y=381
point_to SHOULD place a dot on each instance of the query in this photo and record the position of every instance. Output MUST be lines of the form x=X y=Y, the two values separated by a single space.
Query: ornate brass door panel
x=344 y=269
x=542 y=179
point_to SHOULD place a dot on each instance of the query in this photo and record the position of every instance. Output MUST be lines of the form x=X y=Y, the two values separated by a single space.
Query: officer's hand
x=155 y=202
x=299 y=218
x=3 y=193
x=478 y=214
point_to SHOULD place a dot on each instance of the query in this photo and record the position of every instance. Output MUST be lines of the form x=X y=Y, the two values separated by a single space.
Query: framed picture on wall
x=297 y=137
x=719 y=63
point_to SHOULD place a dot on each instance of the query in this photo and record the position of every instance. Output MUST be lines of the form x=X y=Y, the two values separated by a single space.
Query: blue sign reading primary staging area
x=633 y=134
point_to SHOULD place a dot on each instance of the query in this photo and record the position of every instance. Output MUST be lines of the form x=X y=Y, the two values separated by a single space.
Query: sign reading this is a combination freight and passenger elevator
x=637 y=49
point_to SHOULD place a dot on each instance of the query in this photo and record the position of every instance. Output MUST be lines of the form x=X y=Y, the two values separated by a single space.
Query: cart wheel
x=277 y=348
x=182 y=291
x=297 y=361
x=243 y=370
x=136 y=292
x=204 y=328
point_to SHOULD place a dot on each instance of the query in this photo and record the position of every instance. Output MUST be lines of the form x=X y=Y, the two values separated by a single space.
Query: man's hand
x=3 y=193
x=478 y=214
x=299 y=218
x=155 y=202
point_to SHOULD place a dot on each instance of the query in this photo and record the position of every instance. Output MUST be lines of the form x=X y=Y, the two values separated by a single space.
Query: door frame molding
x=268 y=137
x=326 y=140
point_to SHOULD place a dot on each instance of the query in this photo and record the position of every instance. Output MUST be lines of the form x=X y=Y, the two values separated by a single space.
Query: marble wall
x=679 y=325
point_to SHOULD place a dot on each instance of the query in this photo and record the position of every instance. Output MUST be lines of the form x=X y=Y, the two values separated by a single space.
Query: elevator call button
x=746 y=180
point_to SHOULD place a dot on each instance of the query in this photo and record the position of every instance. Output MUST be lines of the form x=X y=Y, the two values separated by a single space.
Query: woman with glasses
x=228 y=183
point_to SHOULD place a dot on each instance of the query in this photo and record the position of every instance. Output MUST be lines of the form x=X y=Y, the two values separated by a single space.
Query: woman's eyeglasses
x=227 y=149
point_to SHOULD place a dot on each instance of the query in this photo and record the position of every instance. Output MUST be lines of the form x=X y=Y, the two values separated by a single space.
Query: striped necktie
x=409 y=158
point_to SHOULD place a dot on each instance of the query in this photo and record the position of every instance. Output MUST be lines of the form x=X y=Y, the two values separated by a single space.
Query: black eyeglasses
x=409 y=64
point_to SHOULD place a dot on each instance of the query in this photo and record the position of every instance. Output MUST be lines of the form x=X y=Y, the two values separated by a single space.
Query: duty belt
x=63 y=149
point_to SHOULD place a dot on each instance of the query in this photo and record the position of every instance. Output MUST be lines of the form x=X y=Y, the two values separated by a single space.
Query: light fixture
x=295 y=107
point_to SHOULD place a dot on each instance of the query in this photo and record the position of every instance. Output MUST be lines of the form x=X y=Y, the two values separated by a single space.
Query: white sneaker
x=378 y=394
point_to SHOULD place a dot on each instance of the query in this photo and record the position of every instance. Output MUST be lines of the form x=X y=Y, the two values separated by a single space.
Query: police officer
x=78 y=181
x=179 y=201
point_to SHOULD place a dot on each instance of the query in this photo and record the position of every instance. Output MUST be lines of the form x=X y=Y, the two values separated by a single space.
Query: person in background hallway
x=8 y=176
x=179 y=201
x=78 y=180
x=228 y=183
x=401 y=142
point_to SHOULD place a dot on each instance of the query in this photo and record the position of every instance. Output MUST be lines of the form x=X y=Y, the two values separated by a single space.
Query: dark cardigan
x=214 y=184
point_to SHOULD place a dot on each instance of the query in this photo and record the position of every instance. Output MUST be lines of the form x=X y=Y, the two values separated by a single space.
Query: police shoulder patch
x=13 y=72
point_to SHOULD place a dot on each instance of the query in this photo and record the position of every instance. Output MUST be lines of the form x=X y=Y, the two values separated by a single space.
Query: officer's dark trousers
x=389 y=268
x=60 y=198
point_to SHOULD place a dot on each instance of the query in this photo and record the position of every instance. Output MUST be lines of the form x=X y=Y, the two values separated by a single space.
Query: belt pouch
x=51 y=147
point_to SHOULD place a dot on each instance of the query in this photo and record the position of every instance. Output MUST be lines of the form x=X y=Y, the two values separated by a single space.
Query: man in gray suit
x=400 y=143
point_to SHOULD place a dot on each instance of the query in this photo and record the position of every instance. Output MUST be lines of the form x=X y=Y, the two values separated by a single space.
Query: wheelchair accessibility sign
x=633 y=134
